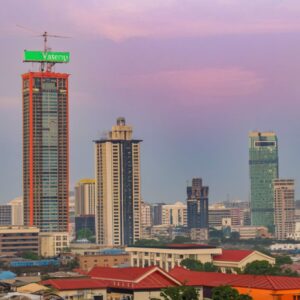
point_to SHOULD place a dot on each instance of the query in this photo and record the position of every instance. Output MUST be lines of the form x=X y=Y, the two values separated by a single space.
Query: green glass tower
x=263 y=164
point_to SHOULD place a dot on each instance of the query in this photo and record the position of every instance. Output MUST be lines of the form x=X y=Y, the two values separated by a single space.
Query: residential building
x=157 y=213
x=5 y=215
x=85 y=197
x=197 y=204
x=263 y=164
x=118 y=191
x=174 y=214
x=89 y=261
x=17 y=211
x=53 y=243
x=146 y=218
x=18 y=239
x=85 y=222
x=284 y=208
x=46 y=150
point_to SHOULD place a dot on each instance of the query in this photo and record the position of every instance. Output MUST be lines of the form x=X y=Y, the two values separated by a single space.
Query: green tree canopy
x=226 y=292
x=195 y=265
x=30 y=255
x=85 y=233
x=260 y=267
x=181 y=240
x=180 y=293
x=283 y=260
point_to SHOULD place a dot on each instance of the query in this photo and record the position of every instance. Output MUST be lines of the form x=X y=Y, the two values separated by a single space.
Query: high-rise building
x=85 y=197
x=5 y=215
x=263 y=164
x=46 y=150
x=16 y=211
x=284 y=208
x=197 y=204
x=118 y=192
x=157 y=213
x=174 y=214
x=146 y=218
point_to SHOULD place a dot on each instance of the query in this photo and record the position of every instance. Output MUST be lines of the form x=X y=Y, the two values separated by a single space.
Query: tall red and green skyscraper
x=46 y=143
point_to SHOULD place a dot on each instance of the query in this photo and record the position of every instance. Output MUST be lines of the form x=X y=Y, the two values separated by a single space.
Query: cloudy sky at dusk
x=193 y=77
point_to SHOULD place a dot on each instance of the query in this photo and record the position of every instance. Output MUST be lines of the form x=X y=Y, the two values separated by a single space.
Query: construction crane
x=45 y=36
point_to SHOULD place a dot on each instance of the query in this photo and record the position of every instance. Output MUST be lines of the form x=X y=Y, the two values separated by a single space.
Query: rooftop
x=210 y=279
x=177 y=246
x=233 y=255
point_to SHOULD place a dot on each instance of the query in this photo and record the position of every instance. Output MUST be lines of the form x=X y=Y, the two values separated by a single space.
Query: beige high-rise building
x=174 y=214
x=284 y=207
x=118 y=196
x=85 y=197
x=16 y=211
x=146 y=220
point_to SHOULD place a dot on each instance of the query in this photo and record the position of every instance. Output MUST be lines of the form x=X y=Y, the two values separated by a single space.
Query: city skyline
x=175 y=95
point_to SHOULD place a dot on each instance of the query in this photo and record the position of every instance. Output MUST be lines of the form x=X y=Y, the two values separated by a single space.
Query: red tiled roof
x=107 y=273
x=232 y=255
x=75 y=284
x=129 y=278
x=210 y=279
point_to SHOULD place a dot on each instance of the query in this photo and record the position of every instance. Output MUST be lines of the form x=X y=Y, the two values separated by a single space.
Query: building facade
x=5 y=215
x=118 y=192
x=174 y=214
x=157 y=213
x=18 y=239
x=284 y=208
x=146 y=217
x=17 y=211
x=197 y=204
x=46 y=150
x=85 y=197
x=53 y=243
x=263 y=165
x=83 y=223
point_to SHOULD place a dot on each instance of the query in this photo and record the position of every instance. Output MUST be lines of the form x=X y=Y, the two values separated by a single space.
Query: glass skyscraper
x=46 y=150
x=263 y=165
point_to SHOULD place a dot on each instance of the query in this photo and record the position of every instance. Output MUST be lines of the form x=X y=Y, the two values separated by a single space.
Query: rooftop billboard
x=49 y=56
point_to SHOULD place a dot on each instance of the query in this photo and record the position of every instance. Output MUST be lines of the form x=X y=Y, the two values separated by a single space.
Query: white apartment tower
x=284 y=207
x=118 y=192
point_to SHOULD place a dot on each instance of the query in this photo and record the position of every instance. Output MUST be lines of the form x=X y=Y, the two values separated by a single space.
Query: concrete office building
x=284 y=208
x=263 y=165
x=197 y=204
x=85 y=197
x=46 y=150
x=18 y=239
x=118 y=192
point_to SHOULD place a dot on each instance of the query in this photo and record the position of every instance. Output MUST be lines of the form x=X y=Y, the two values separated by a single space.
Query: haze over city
x=192 y=79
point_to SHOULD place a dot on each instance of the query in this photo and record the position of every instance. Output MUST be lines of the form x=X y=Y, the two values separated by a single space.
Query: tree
x=30 y=255
x=180 y=293
x=262 y=267
x=283 y=260
x=192 y=264
x=181 y=240
x=196 y=265
x=226 y=292
x=148 y=243
x=85 y=233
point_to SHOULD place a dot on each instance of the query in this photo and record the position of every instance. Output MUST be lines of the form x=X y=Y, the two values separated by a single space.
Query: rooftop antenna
x=45 y=35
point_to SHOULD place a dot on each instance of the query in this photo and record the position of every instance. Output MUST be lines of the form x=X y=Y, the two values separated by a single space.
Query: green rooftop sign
x=49 y=56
